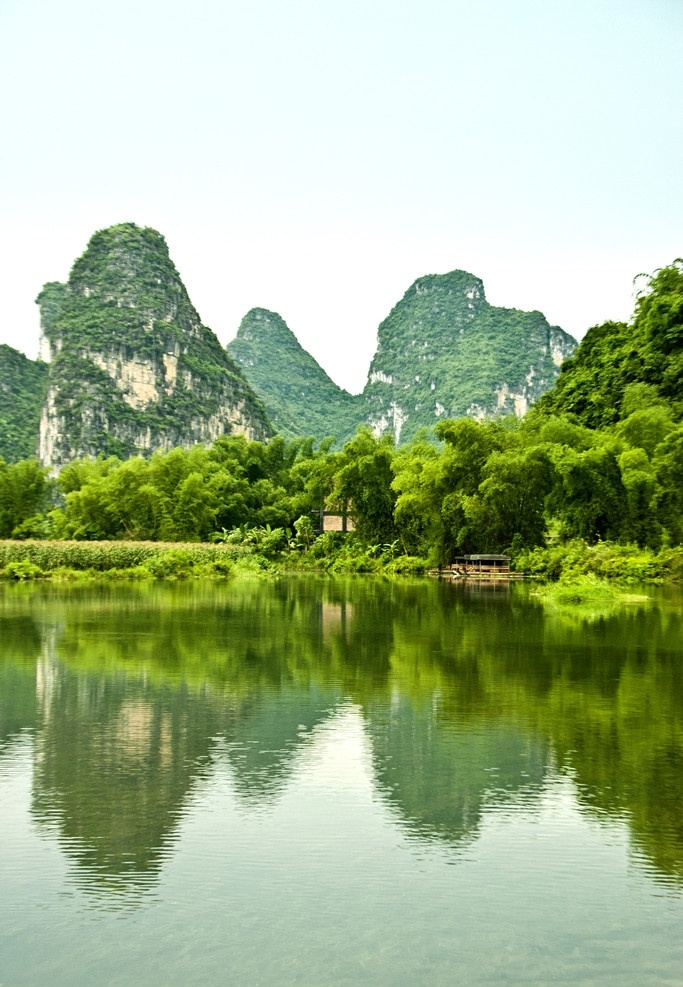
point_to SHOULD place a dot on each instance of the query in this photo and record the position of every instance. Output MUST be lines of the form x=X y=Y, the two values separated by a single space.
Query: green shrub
x=606 y=560
x=327 y=544
x=671 y=562
x=408 y=565
x=176 y=564
x=22 y=570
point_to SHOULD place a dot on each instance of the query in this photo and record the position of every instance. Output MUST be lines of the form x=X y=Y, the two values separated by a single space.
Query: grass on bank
x=586 y=591
x=62 y=560
x=23 y=560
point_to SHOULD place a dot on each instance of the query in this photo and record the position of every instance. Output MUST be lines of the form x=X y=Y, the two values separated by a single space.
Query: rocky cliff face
x=299 y=396
x=132 y=368
x=444 y=352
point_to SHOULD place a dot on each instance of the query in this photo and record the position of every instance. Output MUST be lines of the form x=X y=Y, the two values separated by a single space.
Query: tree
x=421 y=483
x=509 y=508
x=588 y=496
x=24 y=492
x=363 y=485
x=668 y=465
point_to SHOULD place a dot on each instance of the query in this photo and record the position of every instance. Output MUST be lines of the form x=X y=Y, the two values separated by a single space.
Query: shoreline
x=35 y=559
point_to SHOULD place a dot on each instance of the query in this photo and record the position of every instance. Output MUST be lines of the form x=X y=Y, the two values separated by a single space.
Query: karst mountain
x=127 y=367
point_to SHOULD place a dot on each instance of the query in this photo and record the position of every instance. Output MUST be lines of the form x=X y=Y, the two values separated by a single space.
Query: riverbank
x=567 y=564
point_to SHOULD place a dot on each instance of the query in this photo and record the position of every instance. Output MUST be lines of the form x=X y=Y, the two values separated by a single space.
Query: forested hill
x=442 y=352
x=22 y=389
x=597 y=461
x=132 y=368
x=299 y=396
x=445 y=352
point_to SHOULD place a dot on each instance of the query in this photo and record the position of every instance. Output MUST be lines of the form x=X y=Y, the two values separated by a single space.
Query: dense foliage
x=595 y=387
x=22 y=390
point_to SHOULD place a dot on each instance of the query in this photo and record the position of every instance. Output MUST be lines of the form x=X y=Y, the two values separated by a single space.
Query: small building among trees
x=332 y=521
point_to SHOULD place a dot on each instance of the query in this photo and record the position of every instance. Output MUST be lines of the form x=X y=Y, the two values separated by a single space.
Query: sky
x=315 y=157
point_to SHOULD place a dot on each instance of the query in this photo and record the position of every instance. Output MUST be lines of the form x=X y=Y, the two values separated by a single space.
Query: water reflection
x=439 y=775
x=264 y=738
x=133 y=695
x=115 y=758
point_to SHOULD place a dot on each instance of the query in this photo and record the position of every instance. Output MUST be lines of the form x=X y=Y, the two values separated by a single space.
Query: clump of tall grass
x=587 y=591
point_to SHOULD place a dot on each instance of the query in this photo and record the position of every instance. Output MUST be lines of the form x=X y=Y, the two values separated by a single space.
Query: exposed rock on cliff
x=22 y=390
x=299 y=396
x=132 y=368
x=444 y=352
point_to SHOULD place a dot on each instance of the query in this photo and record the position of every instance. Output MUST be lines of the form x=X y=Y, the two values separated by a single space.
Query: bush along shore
x=573 y=561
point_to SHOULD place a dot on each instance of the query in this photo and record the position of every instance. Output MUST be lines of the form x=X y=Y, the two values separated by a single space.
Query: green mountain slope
x=445 y=352
x=132 y=367
x=299 y=396
x=23 y=383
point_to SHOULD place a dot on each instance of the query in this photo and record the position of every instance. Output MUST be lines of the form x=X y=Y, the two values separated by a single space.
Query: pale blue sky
x=316 y=157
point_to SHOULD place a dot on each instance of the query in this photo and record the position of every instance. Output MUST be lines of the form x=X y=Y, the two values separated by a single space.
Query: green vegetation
x=23 y=384
x=564 y=498
x=299 y=396
x=626 y=369
x=626 y=563
x=445 y=352
x=442 y=352
x=31 y=560
x=133 y=369
x=587 y=591
x=24 y=494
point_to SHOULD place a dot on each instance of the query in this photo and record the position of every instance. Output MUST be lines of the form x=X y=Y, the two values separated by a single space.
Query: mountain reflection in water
x=134 y=696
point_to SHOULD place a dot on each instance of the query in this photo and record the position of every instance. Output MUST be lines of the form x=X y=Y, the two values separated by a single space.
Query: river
x=318 y=781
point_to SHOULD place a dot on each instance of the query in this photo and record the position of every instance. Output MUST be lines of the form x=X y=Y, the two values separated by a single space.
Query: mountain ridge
x=128 y=367
x=443 y=351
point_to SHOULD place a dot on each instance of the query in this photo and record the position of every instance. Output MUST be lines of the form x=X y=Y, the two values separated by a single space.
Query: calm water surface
x=330 y=782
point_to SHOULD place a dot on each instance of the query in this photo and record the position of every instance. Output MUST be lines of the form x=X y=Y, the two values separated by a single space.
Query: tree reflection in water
x=465 y=694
